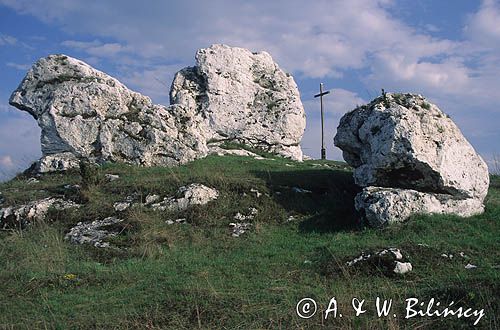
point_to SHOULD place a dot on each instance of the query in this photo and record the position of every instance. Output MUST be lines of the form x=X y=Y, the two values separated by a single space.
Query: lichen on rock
x=245 y=97
x=410 y=158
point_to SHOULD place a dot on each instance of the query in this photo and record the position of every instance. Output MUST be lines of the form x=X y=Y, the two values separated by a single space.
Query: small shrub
x=89 y=173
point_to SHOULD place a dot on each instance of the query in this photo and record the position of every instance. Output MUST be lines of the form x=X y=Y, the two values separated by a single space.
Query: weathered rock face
x=94 y=233
x=19 y=217
x=186 y=196
x=409 y=146
x=231 y=94
x=85 y=113
x=245 y=97
x=381 y=206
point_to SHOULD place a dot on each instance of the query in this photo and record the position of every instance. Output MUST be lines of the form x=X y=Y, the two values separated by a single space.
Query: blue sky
x=449 y=51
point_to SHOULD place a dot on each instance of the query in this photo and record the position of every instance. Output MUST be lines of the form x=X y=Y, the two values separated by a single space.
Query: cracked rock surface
x=19 y=217
x=93 y=233
x=186 y=196
x=382 y=206
x=410 y=158
x=231 y=94
x=245 y=97
x=84 y=113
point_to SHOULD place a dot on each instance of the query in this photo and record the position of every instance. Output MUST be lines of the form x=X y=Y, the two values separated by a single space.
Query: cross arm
x=321 y=94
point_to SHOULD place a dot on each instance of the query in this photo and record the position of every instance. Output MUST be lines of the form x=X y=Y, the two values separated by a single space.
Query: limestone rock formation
x=19 y=217
x=411 y=158
x=94 y=233
x=381 y=206
x=245 y=97
x=84 y=113
x=231 y=94
x=390 y=261
x=186 y=196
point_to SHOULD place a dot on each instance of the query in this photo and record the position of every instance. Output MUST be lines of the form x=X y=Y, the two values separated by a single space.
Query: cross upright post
x=320 y=95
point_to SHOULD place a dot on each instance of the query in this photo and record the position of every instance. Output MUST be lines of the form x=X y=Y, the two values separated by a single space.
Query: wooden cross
x=320 y=95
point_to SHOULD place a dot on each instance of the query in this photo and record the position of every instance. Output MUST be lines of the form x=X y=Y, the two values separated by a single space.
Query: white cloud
x=338 y=102
x=6 y=40
x=6 y=162
x=96 y=48
x=153 y=81
x=462 y=75
x=484 y=25
x=318 y=39
x=396 y=71
x=322 y=38
x=19 y=141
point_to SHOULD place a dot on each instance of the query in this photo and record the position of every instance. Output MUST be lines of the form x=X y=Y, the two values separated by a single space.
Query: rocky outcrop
x=94 y=233
x=19 y=217
x=245 y=97
x=84 y=113
x=381 y=206
x=231 y=94
x=389 y=261
x=410 y=158
x=239 y=228
x=187 y=196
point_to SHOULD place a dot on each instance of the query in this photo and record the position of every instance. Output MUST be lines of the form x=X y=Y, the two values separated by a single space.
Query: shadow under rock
x=324 y=197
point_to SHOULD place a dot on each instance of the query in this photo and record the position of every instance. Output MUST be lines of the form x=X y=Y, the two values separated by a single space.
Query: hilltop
x=197 y=274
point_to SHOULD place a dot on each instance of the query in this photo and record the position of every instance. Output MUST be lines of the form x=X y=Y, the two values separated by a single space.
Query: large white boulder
x=231 y=94
x=84 y=113
x=245 y=97
x=407 y=144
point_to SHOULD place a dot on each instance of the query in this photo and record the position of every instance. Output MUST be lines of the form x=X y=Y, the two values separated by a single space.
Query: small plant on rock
x=89 y=173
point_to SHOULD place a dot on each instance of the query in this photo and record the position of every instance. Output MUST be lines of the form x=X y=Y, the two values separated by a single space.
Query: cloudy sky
x=449 y=51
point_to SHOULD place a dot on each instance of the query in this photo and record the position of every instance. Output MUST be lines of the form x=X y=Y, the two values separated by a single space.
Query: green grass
x=198 y=276
x=426 y=106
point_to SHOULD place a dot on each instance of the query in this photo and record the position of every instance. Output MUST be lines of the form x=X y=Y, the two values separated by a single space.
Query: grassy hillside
x=196 y=275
